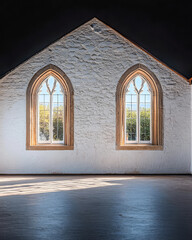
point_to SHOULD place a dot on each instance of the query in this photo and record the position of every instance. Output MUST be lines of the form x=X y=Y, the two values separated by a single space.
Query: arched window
x=50 y=110
x=139 y=110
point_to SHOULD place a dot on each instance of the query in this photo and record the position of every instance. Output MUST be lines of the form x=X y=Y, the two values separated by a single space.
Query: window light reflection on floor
x=48 y=186
x=12 y=179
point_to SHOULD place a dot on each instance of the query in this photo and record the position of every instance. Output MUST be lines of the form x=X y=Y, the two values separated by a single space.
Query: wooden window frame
x=156 y=110
x=31 y=110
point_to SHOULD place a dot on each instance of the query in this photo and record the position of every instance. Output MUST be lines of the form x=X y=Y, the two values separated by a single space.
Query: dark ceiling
x=163 y=28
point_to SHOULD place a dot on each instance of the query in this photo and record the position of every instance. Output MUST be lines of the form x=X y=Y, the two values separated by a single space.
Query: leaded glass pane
x=131 y=114
x=50 y=112
x=138 y=83
x=58 y=114
x=51 y=81
x=43 y=113
x=44 y=126
x=138 y=111
x=145 y=114
x=57 y=126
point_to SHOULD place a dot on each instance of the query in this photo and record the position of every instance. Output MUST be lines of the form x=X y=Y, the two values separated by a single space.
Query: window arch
x=139 y=110
x=50 y=111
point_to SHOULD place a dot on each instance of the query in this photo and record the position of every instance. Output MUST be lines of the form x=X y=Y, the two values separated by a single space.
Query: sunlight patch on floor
x=13 y=179
x=56 y=186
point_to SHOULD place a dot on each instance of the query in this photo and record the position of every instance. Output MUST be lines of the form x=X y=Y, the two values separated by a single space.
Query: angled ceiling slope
x=95 y=20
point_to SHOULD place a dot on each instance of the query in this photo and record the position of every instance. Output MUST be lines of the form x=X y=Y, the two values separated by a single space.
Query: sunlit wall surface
x=94 y=58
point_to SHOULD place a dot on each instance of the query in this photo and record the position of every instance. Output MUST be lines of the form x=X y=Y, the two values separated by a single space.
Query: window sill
x=50 y=147
x=139 y=147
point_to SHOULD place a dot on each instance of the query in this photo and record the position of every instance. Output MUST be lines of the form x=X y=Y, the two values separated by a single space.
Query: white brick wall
x=94 y=57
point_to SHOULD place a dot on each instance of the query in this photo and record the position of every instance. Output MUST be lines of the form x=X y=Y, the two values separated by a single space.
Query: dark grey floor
x=96 y=207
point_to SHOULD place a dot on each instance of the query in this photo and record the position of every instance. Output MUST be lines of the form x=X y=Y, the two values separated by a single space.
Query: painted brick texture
x=94 y=57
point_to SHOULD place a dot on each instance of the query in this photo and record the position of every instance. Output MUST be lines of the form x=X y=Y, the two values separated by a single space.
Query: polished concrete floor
x=96 y=207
